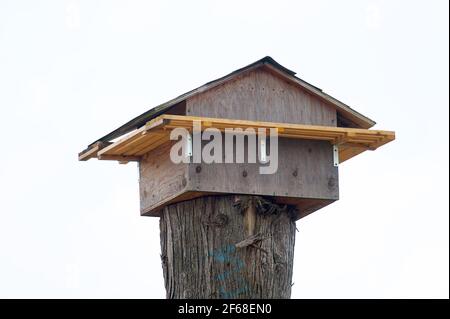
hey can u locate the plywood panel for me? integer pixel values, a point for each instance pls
(159, 178)
(305, 171)
(306, 177)
(261, 96)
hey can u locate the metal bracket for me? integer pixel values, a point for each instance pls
(188, 148)
(335, 155)
(262, 150)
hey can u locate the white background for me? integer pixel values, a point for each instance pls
(71, 71)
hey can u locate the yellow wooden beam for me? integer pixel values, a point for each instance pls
(156, 132)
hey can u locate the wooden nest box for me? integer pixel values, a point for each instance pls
(315, 133)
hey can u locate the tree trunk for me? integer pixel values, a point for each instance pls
(227, 247)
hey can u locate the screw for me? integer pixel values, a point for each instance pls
(331, 182)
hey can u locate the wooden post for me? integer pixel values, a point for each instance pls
(207, 250)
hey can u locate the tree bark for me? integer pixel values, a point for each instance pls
(227, 247)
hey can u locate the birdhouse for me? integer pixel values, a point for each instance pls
(264, 132)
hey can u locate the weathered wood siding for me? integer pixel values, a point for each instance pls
(305, 169)
(306, 177)
(159, 178)
(261, 96)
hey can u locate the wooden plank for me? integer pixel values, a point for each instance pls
(91, 152)
(123, 141)
(157, 133)
(222, 122)
(335, 134)
(346, 153)
(160, 141)
(134, 137)
(144, 144)
(119, 158)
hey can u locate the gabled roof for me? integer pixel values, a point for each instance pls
(345, 112)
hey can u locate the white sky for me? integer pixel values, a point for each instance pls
(71, 71)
